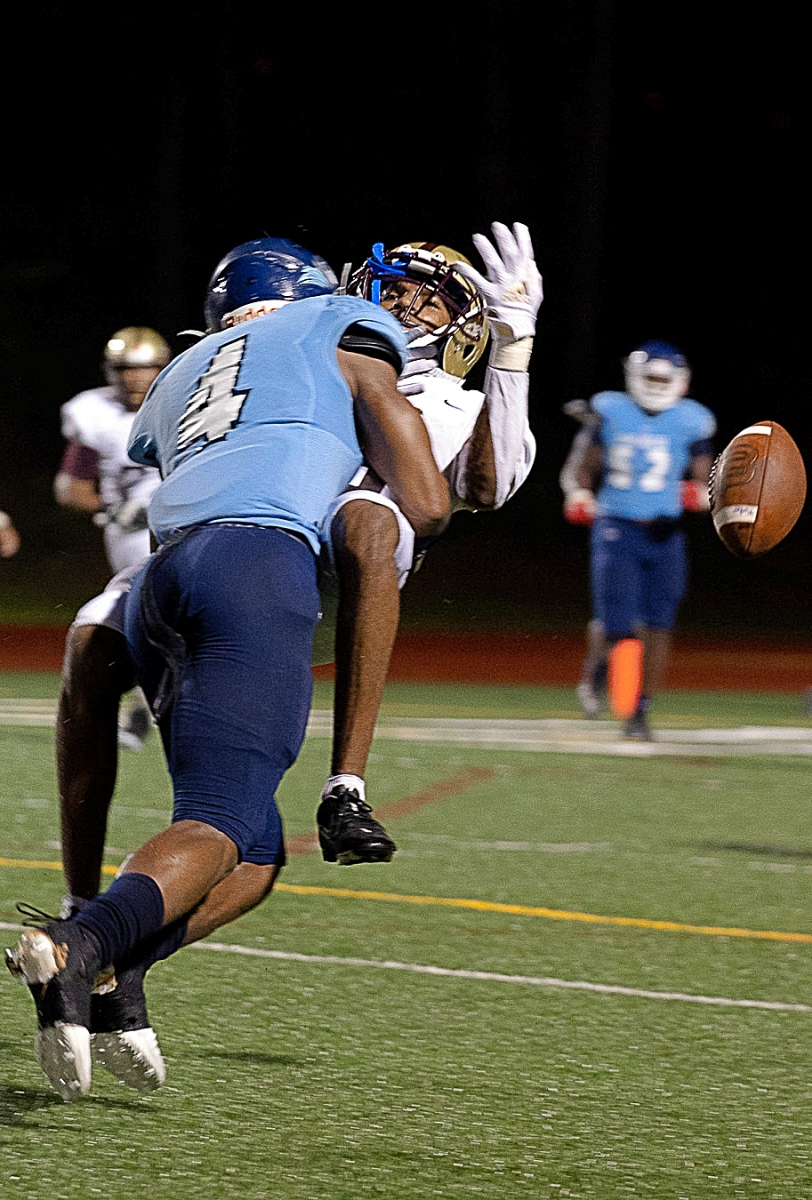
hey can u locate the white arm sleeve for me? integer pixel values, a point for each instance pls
(514, 447)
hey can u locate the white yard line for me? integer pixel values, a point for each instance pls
(555, 735)
(580, 985)
(542, 981)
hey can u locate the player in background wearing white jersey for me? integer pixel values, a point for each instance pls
(97, 476)
(484, 445)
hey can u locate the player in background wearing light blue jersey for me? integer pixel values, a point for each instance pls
(641, 459)
(225, 611)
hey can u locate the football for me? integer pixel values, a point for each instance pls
(757, 489)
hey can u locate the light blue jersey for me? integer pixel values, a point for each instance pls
(255, 423)
(646, 456)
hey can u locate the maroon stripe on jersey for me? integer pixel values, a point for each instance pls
(80, 462)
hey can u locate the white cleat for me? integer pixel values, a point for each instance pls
(63, 1052)
(133, 1056)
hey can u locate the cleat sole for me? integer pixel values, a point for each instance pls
(133, 1057)
(327, 853)
(63, 1053)
(349, 858)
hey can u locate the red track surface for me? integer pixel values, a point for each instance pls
(745, 665)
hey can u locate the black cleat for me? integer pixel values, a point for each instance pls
(59, 964)
(637, 728)
(348, 833)
(123, 1041)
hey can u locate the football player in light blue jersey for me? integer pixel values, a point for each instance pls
(220, 621)
(255, 423)
(642, 458)
(482, 442)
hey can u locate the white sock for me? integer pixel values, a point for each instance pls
(350, 781)
(71, 904)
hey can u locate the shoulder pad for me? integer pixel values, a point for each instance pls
(359, 339)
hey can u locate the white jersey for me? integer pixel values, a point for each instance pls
(97, 420)
(449, 411)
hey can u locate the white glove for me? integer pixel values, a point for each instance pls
(422, 359)
(513, 288)
(412, 379)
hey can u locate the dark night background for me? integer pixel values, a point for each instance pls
(658, 154)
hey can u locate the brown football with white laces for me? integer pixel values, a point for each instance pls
(757, 489)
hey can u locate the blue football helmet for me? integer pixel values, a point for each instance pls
(259, 276)
(657, 376)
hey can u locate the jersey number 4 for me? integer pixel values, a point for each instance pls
(215, 406)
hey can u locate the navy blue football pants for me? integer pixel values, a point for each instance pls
(638, 574)
(220, 627)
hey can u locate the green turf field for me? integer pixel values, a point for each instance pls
(584, 974)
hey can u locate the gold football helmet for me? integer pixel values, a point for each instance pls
(461, 343)
(135, 346)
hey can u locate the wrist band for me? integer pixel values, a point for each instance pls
(511, 356)
(5, 520)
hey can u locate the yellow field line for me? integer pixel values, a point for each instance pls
(26, 864)
(514, 910)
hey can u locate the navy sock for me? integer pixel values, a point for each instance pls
(130, 910)
(161, 945)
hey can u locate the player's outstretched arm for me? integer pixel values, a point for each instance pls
(501, 451)
(396, 444)
(513, 291)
